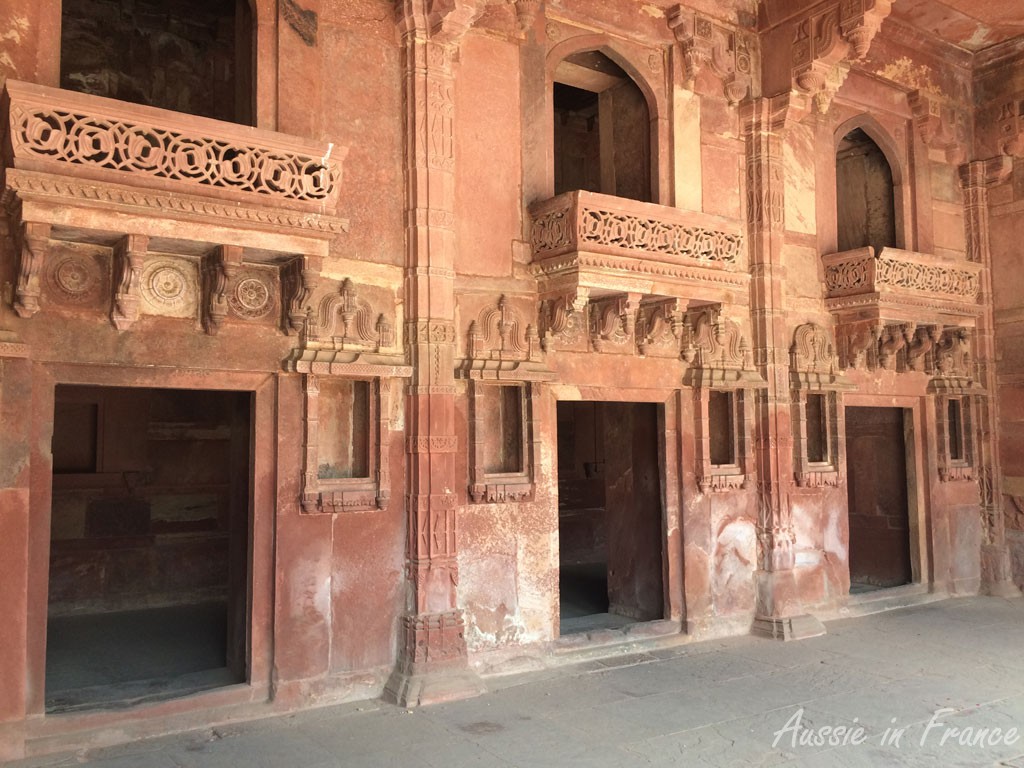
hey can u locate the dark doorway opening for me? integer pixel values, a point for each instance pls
(190, 56)
(609, 515)
(879, 514)
(865, 199)
(149, 545)
(602, 132)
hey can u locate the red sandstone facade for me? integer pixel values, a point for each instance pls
(418, 286)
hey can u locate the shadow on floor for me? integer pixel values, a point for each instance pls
(123, 658)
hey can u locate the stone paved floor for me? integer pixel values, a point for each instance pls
(719, 703)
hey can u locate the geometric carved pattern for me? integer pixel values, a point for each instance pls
(621, 230)
(140, 148)
(890, 269)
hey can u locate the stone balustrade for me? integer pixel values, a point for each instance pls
(51, 130)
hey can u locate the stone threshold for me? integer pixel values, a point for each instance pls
(881, 600)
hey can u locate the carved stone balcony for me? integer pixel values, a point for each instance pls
(901, 310)
(590, 245)
(131, 182)
(901, 286)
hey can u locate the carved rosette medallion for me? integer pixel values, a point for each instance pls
(252, 298)
(169, 288)
(75, 279)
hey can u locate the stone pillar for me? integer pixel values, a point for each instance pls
(779, 612)
(16, 417)
(432, 664)
(975, 178)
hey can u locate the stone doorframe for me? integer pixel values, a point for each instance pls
(262, 501)
(670, 461)
(915, 438)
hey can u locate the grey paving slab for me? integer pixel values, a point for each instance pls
(740, 701)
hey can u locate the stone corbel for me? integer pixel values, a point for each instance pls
(33, 244)
(449, 20)
(613, 321)
(939, 123)
(660, 328)
(825, 43)
(526, 13)
(562, 319)
(925, 338)
(894, 339)
(704, 42)
(1010, 127)
(129, 257)
(299, 279)
(219, 268)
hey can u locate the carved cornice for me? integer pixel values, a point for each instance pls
(25, 185)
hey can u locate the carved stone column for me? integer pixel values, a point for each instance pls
(432, 664)
(779, 612)
(976, 177)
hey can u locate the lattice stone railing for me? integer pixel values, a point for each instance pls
(51, 130)
(894, 270)
(587, 221)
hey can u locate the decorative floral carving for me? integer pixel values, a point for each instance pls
(252, 297)
(76, 278)
(613, 322)
(563, 319)
(169, 287)
(660, 327)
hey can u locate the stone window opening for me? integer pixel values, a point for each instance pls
(956, 430)
(602, 129)
(502, 448)
(722, 432)
(817, 429)
(865, 196)
(345, 421)
(954, 419)
(189, 56)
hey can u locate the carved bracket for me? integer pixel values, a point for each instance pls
(728, 52)
(219, 269)
(941, 123)
(33, 241)
(824, 43)
(563, 319)
(129, 257)
(299, 279)
(660, 328)
(613, 322)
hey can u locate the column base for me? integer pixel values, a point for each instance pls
(996, 572)
(414, 688)
(780, 613)
(787, 628)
